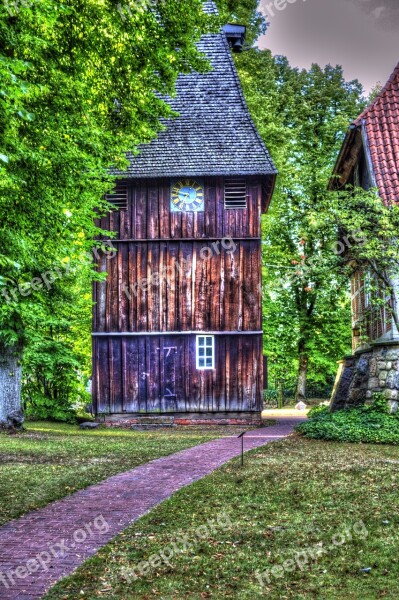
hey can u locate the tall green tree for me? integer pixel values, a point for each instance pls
(302, 116)
(80, 84)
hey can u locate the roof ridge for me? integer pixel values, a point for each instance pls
(387, 87)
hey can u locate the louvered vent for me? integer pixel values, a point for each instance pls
(235, 193)
(119, 197)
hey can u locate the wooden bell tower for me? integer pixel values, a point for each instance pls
(177, 326)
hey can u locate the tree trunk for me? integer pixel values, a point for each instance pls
(11, 415)
(280, 394)
(302, 374)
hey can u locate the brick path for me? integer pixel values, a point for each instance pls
(58, 538)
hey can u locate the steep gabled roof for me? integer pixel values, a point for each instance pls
(214, 133)
(379, 127)
(381, 123)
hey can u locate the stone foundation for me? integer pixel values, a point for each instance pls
(362, 375)
(180, 419)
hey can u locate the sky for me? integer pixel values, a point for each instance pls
(360, 35)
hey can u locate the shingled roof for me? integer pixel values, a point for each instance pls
(381, 123)
(379, 126)
(214, 133)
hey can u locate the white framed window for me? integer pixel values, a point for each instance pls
(205, 352)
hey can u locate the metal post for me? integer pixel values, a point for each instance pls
(242, 446)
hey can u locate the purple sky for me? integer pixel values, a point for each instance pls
(361, 35)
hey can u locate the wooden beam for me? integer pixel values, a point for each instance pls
(163, 333)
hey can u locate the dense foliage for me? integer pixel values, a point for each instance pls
(368, 424)
(57, 358)
(302, 116)
(376, 252)
(80, 84)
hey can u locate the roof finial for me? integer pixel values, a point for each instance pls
(235, 36)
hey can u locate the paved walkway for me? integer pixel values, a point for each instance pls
(44, 546)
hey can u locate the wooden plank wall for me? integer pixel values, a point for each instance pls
(190, 282)
(158, 374)
(180, 286)
(149, 216)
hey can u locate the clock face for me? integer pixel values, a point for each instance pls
(187, 196)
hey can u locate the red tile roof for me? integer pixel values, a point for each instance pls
(381, 123)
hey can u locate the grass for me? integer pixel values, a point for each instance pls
(51, 460)
(290, 496)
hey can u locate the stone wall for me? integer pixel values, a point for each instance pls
(243, 419)
(364, 374)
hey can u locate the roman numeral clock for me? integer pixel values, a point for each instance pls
(187, 195)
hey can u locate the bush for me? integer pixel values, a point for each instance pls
(318, 410)
(53, 387)
(270, 398)
(369, 424)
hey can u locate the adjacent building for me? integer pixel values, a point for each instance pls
(370, 158)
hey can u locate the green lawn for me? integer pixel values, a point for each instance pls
(328, 509)
(50, 460)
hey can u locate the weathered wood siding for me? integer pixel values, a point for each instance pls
(176, 273)
(158, 374)
(149, 216)
(180, 286)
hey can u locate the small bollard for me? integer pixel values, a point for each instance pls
(242, 446)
